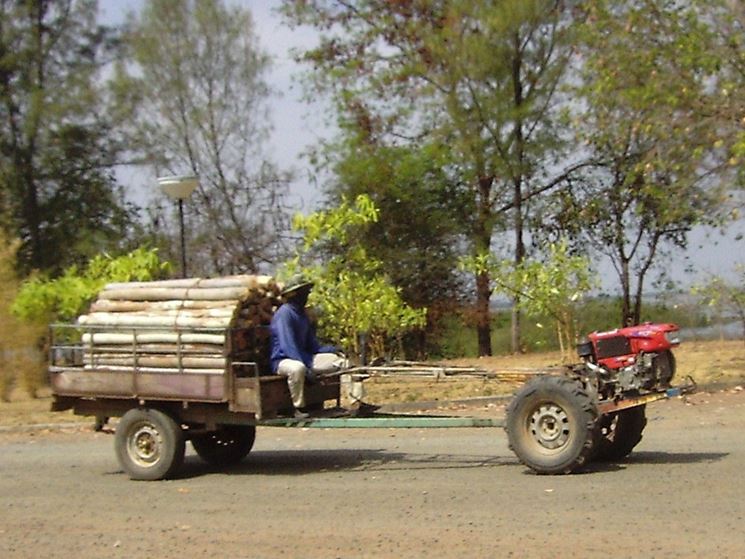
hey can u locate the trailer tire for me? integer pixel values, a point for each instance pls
(149, 444)
(619, 433)
(551, 425)
(227, 446)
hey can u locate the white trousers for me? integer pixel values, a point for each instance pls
(323, 364)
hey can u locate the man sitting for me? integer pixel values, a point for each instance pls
(295, 351)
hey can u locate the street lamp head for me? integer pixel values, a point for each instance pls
(178, 187)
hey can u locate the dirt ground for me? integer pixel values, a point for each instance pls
(439, 493)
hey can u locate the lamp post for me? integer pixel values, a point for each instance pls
(180, 188)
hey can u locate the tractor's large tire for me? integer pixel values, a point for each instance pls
(149, 444)
(619, 433)
(551, 425)
(227, 446)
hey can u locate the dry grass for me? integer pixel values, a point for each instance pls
(707, 362)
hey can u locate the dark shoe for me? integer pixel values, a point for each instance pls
(301, 414)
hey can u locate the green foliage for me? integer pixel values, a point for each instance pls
(725, 297)
(543, 288)
(416, 237)
(63, 298)
(649, 118)
(470, 79)
(351, 294)
(352, 303)
(338, 224)
(649, 87)
(58, 192)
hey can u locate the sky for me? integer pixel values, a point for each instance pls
(296, 124)
(299, 125)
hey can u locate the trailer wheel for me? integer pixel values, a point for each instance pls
(226, 446)
(619, 433)
(149, 444)
(551, 425)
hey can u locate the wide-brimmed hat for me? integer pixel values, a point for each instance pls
(296, 283)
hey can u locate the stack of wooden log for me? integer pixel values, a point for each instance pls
(185, 326)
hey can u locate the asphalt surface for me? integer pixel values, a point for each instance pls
(436, 493)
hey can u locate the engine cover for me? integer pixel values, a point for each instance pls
(616, 349)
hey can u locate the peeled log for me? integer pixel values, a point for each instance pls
(131, 320)
(245, 282)
(107, 305)
(153, 337)
(162, 325)
(171, 293)
(162, 348)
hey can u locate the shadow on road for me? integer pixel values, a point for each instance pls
(675, 457)
(655, 458)
(304, 462)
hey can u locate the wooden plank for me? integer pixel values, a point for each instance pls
(87, 383)
(155, 370)
(162, 361)
(196, 387)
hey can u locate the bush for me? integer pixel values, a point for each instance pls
(26, 310)
(20, 360)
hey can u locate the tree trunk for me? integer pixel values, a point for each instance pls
(517, 195)
(483, 316)
(627, 317)
(482, 241)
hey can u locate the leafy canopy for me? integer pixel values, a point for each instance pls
(549, 287)
(352, 295)
(43, 299)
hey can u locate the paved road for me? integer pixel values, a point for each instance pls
(407, 493)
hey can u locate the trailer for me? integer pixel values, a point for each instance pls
(188, 360)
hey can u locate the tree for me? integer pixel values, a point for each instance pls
(550, 286)
(57, 189)
(478, 78)
(199, 75)
(656, 152)
(353, 296)
(415, 237)
(728, 298)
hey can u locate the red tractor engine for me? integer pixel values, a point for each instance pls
(632, 358)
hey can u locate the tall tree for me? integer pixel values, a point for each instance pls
(200, 77)
(416, 237)
(57, 189)
(479, 78)
(647, 117)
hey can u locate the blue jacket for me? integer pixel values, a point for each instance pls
(293, 337)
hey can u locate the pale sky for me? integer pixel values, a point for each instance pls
(298, 125)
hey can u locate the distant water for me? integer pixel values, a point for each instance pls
(731, 331)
